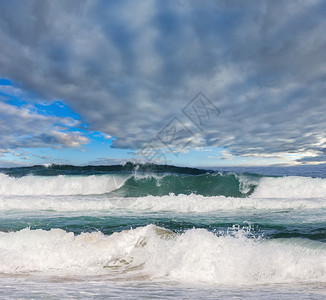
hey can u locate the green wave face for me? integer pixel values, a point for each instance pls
(228, 185)
(156, 180)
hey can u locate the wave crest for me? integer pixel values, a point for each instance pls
(196, 255)
(59, 185)
(142, 185)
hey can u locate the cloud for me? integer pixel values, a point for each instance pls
(129, 67)
(225, 155)
(11, 164)
(20, 127)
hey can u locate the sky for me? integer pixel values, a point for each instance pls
(184, 82)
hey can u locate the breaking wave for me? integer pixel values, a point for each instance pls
(142, 185)
(59, 185)
(196, 255)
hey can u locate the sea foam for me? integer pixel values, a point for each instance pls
(196, 255)
(171, 203)
(134, 185)
(59, 185)
(290, 187)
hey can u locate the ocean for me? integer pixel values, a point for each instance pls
(159, 232)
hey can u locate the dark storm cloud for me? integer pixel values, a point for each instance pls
(129, 67)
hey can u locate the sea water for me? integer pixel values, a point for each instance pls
(149, 231)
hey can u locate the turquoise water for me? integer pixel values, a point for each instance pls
(138, 231)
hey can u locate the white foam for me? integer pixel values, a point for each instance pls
(290, 187)
(151, 252)
(171, 203)
(199, 203)
(268, 187)
(201, 256)
(59, 185)
(246, 183)
(39, 250)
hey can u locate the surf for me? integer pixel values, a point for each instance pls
(194, 256)
(170, 203)
(128, 185)
(59, 185)
(135, 181)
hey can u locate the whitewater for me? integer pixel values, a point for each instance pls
(137, 231)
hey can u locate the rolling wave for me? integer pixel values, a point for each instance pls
(142, 185)
(229, 185)
(290, 187)
(196, 255)
(124, 185)
(59, 185)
